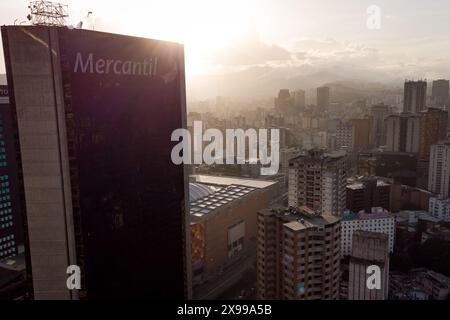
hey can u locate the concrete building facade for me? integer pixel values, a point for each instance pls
(433, 128)
(415, 96)
(439, 171)
(368, 249)
(317, 180)
(323, 98)
(368, 192)
(403, 133)
(298, 255)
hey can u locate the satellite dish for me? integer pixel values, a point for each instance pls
(79, 25)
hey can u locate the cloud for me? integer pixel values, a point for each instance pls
(250, 51)
(255, 69)
(309, 56)
(319, 53)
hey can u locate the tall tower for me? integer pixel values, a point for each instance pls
(379, 113)
(299, 99)
(439, 171)
(94, 114)
(440, 93)
(433, 128)
(415, 96)
(403, 132)
(300, 256)
(318, 180)
(323, 98)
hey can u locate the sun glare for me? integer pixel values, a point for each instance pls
(202, 26)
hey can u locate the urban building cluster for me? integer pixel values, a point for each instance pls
(364, 181)
(371, 174)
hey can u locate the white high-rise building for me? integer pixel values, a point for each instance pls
(317, 180)
(439, 208)
(439, 170)
(377, 221)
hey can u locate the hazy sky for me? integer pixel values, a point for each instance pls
(227, 35)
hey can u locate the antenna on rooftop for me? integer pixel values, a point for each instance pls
(47, 13)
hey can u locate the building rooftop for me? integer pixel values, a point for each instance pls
(300, 219)
(209, 193)
(371, 235)
(315, 154)
(412, 286)
(360, 182)
(412, 216)
(227, 181)
(220, 197)
(198, 191)
(443, 142)
(377, 213)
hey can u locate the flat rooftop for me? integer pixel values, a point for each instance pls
(300, 219)
(314, 155)
(209, 193)
(219, 198)
(361, 185)
(375, 214)
(227, 181)
(412, 216)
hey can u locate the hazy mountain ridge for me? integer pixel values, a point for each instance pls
(263, 82)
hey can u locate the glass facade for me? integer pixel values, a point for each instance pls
(10, 225)
(128, 196)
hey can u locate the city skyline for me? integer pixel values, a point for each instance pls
(287, 151)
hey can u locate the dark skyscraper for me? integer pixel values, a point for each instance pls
(415, 96)
(379, 112)
(440, 93)
(323, 97)
(8, 216)
(95, 113)
(284, 102)
(299, 99)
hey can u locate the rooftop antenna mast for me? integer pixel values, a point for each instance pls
(47, 13)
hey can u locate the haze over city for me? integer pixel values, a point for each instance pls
(232, 45)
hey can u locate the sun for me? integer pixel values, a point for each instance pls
(203, 26)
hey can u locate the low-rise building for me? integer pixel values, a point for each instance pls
(224, 229)
(419, 284)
